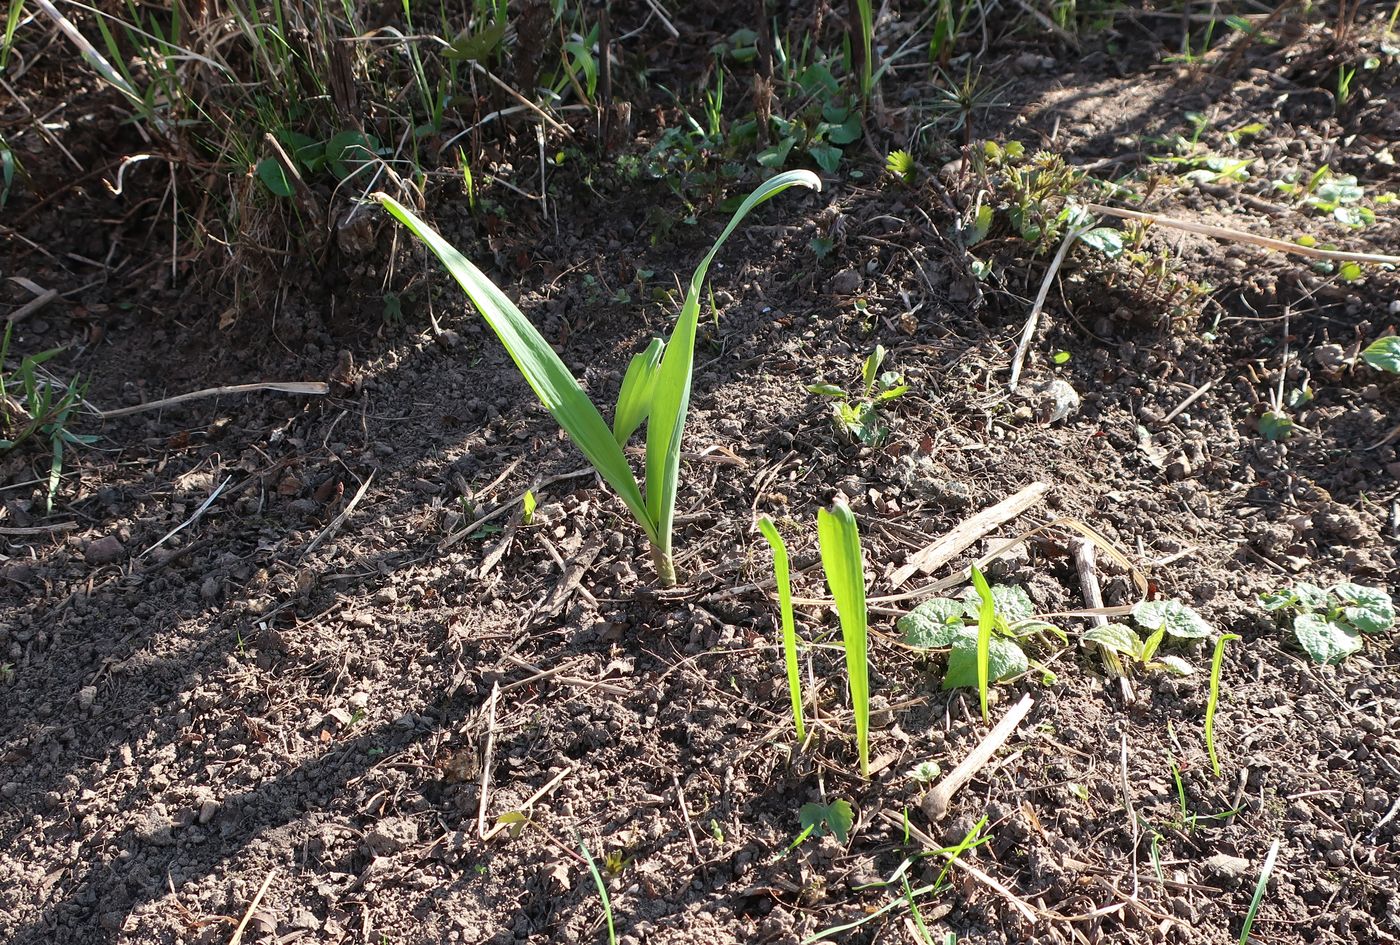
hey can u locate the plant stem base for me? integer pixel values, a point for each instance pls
(665, 567)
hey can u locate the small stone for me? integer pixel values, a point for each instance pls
(104, 550)
(86, 697)
(386, 595)
(209, 590)
(1230, 869)
(1178, 469)
(1330, 358)
(207, 810)
(845, 282)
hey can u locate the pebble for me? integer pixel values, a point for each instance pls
(845, 282)
(104, 550)
(86, 697)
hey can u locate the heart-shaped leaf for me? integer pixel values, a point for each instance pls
(1368, 609)
(1116, 637)
(1004, 660)
(1175, 617)
(1326, 641)
(933, 624)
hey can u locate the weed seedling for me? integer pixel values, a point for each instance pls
(1331, 623)
(1160, 619)
(1214, 699)
(602, 891)
(856, 417)
(1383, 354)
(818, 820)
(656, 388)
(1259, 889)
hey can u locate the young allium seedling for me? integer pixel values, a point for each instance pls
(783, 578)
(1214, 699)
(1330, 623)
(845, 575)
(856, 417)
(655, 390)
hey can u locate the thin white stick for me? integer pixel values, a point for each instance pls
(285, 387)
(1034, 317)
(192, 519)
(252, 907)
(964, 534)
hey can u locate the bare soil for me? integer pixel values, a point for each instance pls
(282, 712)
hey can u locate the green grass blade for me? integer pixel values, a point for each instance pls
(1260, 888)
(986, 618)
(542, 369)
(638, 389)
(845, 575)
(666, 423)
(1214, 698)
(602, 889)
(783, 577)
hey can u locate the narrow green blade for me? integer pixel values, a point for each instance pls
(546, 374)
(666, 423)
(638, 388)
(783, 577)
(845, 575)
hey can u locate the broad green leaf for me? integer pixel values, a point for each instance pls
(845, 576)
(776, 155)
(349, 151)
(981, 225)
(638, 387)
(1326, 641)
(1105, 239)
(1175, 617)
(828, 157)
(1004, 660)
(933, 624)
(1368, 609)
(476, 46)
(826, 390)
(542, 369)
(782, 577)
(1383, 354)
(1013, 604)
(838, 818)
(666, 422)
(274, 178)
(1116, 637)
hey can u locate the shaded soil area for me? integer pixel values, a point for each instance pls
(282, 705)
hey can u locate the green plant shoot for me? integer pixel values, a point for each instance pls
(782, 575)
(845, 576)
(986, 619)
(1214, 698)
(602, 889)
(657, 389)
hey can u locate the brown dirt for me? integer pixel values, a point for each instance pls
(301, 689)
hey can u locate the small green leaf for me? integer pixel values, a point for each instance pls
(1176, 618)
(476, 46)
(776, 155)
(1326, 641)
(1174, 665)
(1004, 660)
(828, 157)
(1368, 609)
(826, 390)
(349, 151)
(1349, 272)
(638, 387)
(835, 818)
(1116, 637)
(901, 165)
(1383, 354)
(1105, 239)
(1275, 426)
(527, 507)
(1060, 357)
(981, 225)
(933, 624)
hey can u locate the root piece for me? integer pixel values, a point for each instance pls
(956, 541)
(936, 802)
(1088, 570)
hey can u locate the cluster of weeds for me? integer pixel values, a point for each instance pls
(856, 415)
(34, 408)
(1332, 623)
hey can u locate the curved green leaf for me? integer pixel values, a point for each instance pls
(666, 423)
(542, 369)
(845, 575)
(638, 388)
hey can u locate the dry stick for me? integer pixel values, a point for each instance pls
(1194, 396)
(1088, 570)
(285, 387)
(935, 803)
(530, 801)
(954, 542)
(40, 529)
(487, 758)
(1034, 317)
(566, 132)
(32, 306)
(901, 823)
(689, 826)
(334, 526)
(252, 907)
(203, 507)
(1240, 236)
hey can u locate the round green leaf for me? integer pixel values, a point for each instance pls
(1105, 239)
(1004, 660)
(933, 624)
(1013, 604)
(1383, 354)
(1326, 641)
(1179, 620)
(274, 178)
(1368, 609)
(1116, 637)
